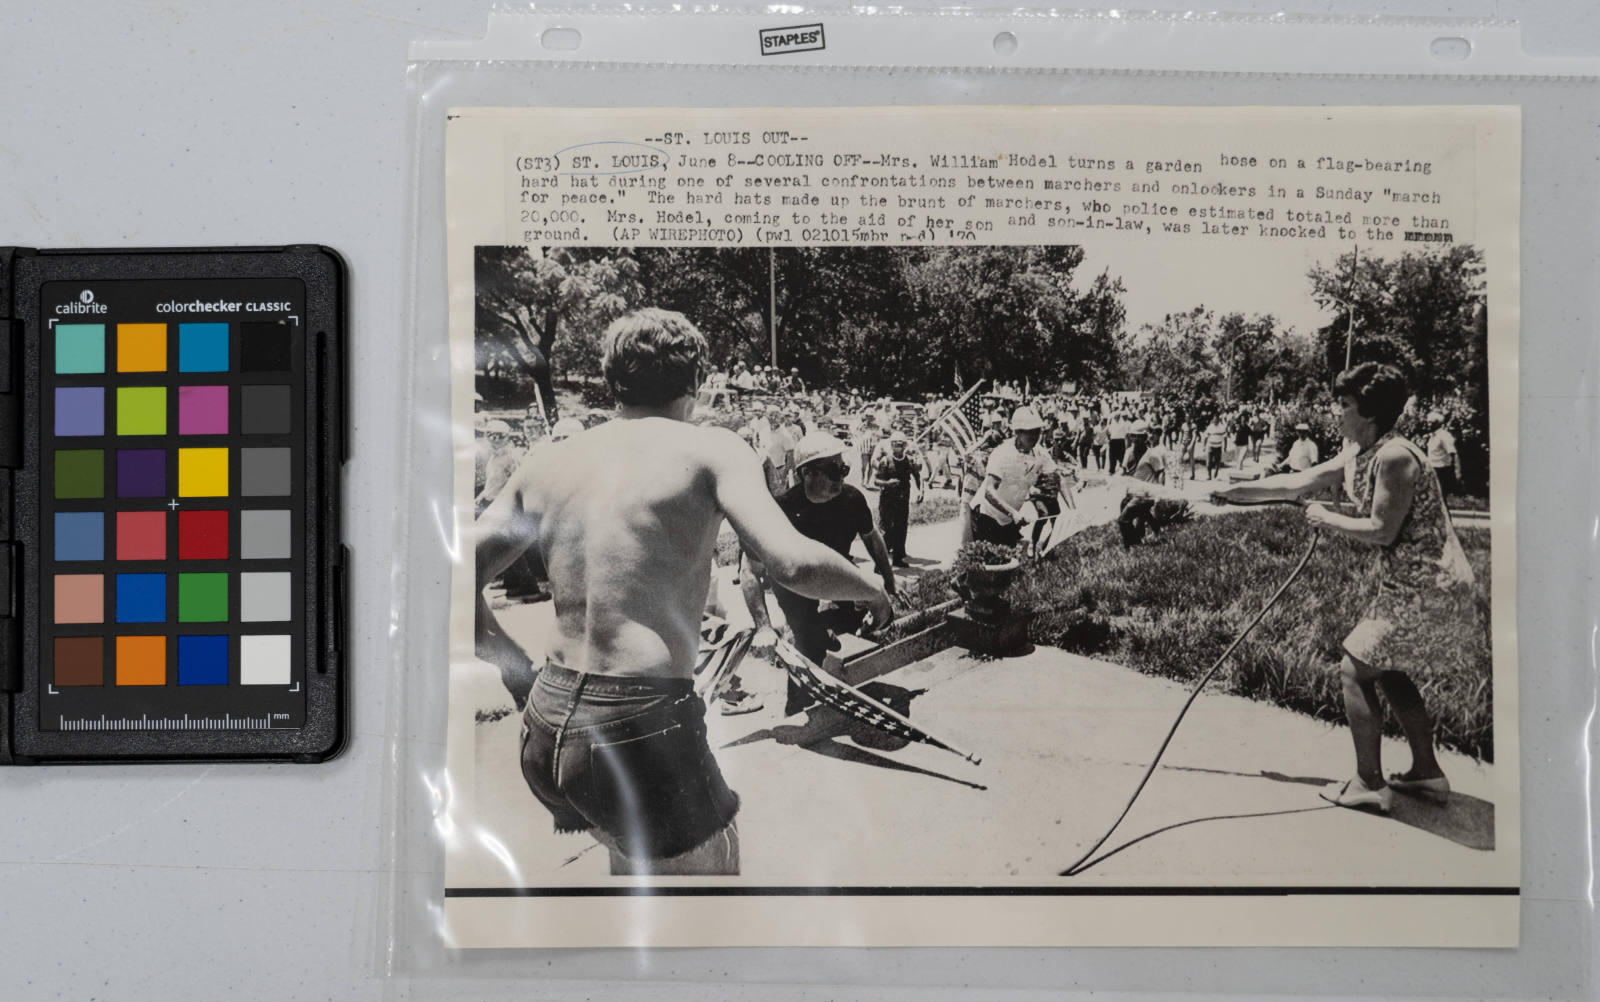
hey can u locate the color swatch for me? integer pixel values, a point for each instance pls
(175, 513)
(170, 447)
(164, 502)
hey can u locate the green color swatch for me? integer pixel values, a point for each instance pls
(202, 598)
(141, 410)
(80, 473)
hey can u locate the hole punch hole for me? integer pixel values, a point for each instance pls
(1451, 49)
(561, 39)
(1005, 44)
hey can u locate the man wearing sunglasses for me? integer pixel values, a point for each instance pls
(625, 516)
(826, 509)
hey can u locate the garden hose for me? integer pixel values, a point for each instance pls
(1079, 866)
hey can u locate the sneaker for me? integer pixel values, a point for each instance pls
(1355, 794)
(736, 703)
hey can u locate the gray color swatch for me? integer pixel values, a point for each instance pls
(263, 598)
(264, 410)
(264, 535)
(264, 472)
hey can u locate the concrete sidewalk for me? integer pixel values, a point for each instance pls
(1064, 740)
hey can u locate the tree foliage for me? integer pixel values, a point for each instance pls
(887, 321)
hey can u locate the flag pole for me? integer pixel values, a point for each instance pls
(1350, 329)
(790, 654)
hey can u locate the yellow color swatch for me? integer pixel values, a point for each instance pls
(141, 660)
(203, 473)
(141, 347)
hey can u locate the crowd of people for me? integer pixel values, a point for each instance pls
(622, 522)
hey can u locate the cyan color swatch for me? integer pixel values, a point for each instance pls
(202, 347)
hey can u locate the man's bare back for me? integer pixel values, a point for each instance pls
(627, 526)
(626, 516)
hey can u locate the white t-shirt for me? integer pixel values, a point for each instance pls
(1151, 465)
(1441, 449)
(1302, 454)
(1017, 472)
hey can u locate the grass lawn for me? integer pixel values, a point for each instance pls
(1170, 607)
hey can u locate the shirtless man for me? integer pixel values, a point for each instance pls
(625, 516)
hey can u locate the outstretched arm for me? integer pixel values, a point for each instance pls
(1286, 486)
(802, 565)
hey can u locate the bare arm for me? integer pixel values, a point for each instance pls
(1394, 481)
(505, 531)
(880, 558)
(990, 482)
(802, 565)
(1286, 486)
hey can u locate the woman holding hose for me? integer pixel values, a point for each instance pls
(1419, 612)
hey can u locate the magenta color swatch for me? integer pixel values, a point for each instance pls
(202, 410)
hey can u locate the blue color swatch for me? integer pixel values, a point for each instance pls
(203, 660)
(141, 598)
(80, 535)
(202, 347)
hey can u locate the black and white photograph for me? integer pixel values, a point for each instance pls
(1021, 566)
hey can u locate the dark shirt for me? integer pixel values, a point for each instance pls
(902, 469)
(835, 524)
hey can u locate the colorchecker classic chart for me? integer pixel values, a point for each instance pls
(175, 431)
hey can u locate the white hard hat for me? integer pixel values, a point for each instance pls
(816, 445)
(898, 436)
(1026, 419)
(565, 428)
(497, 427)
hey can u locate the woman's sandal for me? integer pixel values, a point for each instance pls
(1436, 789)
(1354, 794)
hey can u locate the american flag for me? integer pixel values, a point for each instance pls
(962, 423)
(721, 649)
(852, 702)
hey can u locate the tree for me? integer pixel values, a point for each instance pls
(1174, 358)
(1416, 312)
(525, 299)
(1423, 312)
(1248, 350)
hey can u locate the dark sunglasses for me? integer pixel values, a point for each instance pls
(836, 470)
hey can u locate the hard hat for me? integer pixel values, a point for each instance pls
(898, 436)
(1026, 419)
(497, 427)
(565, 428)
(814, 446)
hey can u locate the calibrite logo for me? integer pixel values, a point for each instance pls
(796, 38)
(85, 304)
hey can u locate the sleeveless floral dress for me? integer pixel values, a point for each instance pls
(1420, 614)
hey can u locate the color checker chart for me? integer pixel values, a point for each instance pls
(178, 505)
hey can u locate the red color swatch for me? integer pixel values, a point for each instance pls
(141, 535)
(202, 535)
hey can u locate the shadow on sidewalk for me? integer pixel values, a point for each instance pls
(827, 732)
(1463, 819)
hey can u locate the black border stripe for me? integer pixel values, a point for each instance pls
(668, 891)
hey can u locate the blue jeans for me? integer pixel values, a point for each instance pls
(627, 756)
